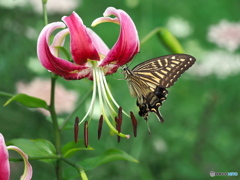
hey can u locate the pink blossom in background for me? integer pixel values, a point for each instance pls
(64, 99)
(225, 35)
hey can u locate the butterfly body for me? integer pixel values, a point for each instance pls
(148, 80)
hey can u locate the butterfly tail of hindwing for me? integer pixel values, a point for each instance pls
(152, 102)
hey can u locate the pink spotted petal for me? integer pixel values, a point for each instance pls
(127, 45)
(4, 163)
(82, 47)
(57, 65)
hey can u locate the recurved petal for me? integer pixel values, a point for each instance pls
(4, 163)
(82, 47)
(127, 45)
(27, 174)
(57, 65)
(58, 40)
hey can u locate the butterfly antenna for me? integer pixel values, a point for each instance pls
(118, 78)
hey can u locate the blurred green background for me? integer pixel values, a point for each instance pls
(202, 117)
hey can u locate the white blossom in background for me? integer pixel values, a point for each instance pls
(220, 63)
(53, 6)
(160, 145)
(65, 100)
(179, 27)
(225, 34)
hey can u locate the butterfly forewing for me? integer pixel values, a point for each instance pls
(163, 71)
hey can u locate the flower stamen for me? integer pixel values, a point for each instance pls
(86, 134)
(134, 123)
(100, 127)
(76, 129)
(98, 77)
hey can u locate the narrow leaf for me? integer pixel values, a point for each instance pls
(28, 101)
(71, 148)
(108, 156)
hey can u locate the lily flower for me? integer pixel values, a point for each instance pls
(91, 57)
(4, 162)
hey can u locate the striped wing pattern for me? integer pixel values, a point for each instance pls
(148, 81)
(163, 71)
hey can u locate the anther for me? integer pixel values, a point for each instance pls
(100, 127)
(118, 127)
(76, 129)
(134, 123)
(86, 134)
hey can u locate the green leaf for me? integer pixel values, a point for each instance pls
(39, 148)
(107, 156)
(28, 101)
(71, 148)
(170, 41)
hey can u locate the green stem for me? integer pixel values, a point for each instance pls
(79, 169)
(149, 35)
(44, 5)
(34, 158)
(76, 166)
(166, 38)
(5, 94)
(56, 130)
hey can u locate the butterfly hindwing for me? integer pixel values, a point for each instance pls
(148, 80)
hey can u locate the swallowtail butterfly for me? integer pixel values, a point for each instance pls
(148, 80)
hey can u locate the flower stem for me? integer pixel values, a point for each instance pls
(56, 130)
(166, 38)
(149, 35)
(44, 5)
(5, 94)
